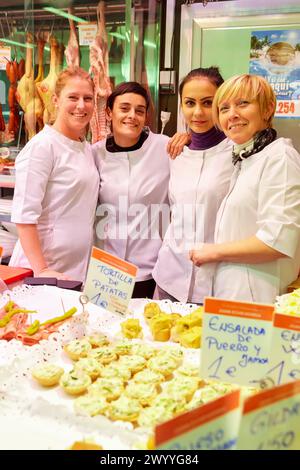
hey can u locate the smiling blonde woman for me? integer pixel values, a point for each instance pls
(257, 236)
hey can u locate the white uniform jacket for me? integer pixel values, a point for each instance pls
(57, 186)
(133, 191)
(263, 200)
(198, 183)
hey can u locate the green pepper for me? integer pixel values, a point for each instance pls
(68, 314)
(9, 306)
(11, 312)
(34, 328)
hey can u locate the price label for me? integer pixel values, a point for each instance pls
(110, 281)
(288, 108)
(5, 56)
(87, 33)
(236, 341)
(285, 350)
(213, 426)
(271, 419)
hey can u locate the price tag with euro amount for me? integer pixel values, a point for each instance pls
(271, 419)
(285, 351)
(213, 426)
(236, 341)
(110, 281)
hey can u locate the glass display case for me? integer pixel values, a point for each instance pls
(132, 30)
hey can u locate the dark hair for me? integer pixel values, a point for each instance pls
(128, 87)
(211, 73)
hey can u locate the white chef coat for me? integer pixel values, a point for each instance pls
(133, 188)
(57, 186)
(198, 183)
(263, 200)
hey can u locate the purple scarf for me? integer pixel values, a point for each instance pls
(206, 140)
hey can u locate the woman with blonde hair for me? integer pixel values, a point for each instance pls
(257, 236)
(57, 187)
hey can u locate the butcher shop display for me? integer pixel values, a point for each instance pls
(99, 71)
(72, 49)
(32, 84)
(60, 57)
(40, 47)
(27, 95)
(46, 87)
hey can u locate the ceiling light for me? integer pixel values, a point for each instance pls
(63, 13)
(15, 43)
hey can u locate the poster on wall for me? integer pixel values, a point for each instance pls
(275, 55)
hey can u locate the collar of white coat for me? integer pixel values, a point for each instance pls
(224, 146)
(146, 145)
(72, 143)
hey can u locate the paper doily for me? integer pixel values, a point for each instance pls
(25, 404)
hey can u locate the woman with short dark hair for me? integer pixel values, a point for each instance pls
(134, 174)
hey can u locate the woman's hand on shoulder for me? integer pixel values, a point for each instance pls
(52, 273)
(177, 142)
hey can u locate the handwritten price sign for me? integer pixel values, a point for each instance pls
(285, 350)
(271, 419)
(236, 341)
(110, 281)
(213, 426)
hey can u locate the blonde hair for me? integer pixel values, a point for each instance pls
(249, 87)
(69, 73)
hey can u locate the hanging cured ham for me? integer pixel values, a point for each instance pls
(46, 87)
(72, 50)
(27, 95)
(99, 71)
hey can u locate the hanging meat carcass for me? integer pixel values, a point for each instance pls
(21, 68)
(72, 49)
(40, 47)
(99, 71)
(27, 95)
(46, 87)
(2, 122)
(60, 57)
(13, 120)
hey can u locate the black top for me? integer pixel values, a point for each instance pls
(112, 147)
